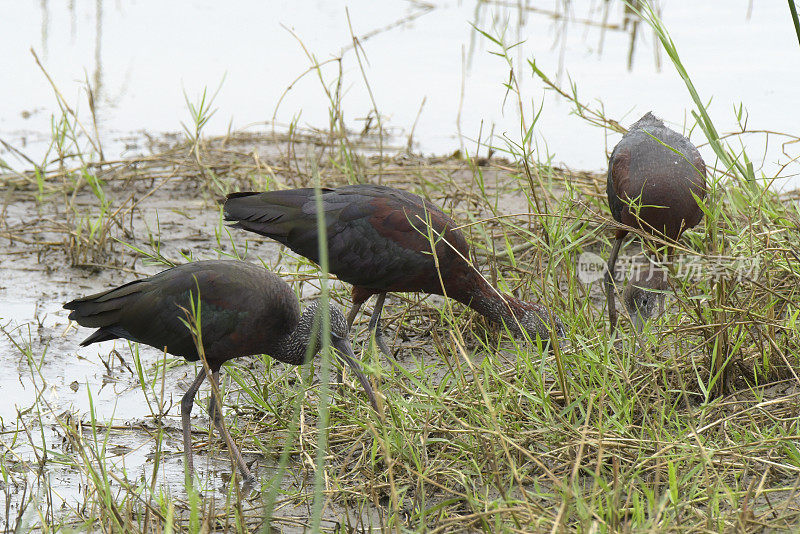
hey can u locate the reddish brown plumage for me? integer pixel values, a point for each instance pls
(380, 240)
(658, 169)
(654, 174)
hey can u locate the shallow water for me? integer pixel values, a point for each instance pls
(51, 383)
(53, 387)
(140, 59)
(52, 378)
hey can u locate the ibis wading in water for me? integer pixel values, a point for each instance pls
(244, 310)
(654, 175)
(380, 240)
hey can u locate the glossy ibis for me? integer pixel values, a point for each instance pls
(380, 240)
(244, 310)
(654, 175)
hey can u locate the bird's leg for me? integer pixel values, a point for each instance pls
(351, 317)
(214, 407)
(610, 284)
(213, 412)
(186, 409)
(374, 326)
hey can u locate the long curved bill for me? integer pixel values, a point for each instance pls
(345, 352)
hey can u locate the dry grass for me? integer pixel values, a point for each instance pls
(476, 432)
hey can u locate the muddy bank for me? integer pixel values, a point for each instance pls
(74, 236)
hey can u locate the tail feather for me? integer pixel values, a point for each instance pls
(92, 319)
(103, 310)
(274, 214)
(104, 296)
(99, 335)
(242, 194)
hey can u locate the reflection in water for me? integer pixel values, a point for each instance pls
(73, 20)
(98, 40)
(45, 24)
(633, 20)
(592, 40)
(563, 16)
(97, 77)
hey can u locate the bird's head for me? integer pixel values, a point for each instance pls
(313, 314)
(538, 321)
(339, 339)
(643, 297)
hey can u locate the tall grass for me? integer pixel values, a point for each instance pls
(795, 20)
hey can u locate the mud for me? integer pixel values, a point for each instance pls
(55, 388)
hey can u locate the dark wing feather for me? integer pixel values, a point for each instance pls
(377, 236)
(662, 168)
(285, 216)
(616, 181)
(240, 305)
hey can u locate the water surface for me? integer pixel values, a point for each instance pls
(140, 58)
